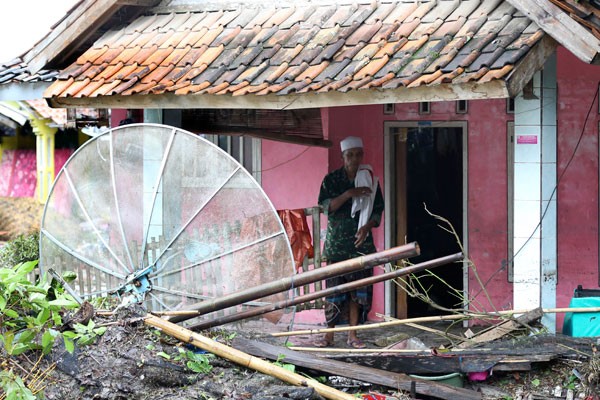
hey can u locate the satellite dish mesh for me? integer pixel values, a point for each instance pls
(153, 199)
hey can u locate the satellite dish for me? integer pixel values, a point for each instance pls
(158, 215)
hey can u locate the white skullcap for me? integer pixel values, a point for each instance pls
(351, 142)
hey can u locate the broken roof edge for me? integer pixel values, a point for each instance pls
(442, 92)
(556, 23)
(222, 5)
(75, 25)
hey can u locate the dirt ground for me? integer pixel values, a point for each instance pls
(132, 361)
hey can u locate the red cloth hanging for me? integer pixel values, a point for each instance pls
(296, 227)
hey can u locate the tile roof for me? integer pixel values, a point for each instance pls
(287, 49)
(57, 115)
(16, 70)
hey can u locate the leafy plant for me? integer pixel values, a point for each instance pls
(22, 249)
(278, 362)
(197, 362)
(29, 315)
(83, 334)
(14, 387)
(26, 311)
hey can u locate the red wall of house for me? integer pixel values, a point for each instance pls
(578, 187)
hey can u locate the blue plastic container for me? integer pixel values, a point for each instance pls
(583, 324)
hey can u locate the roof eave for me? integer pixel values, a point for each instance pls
(23, 90)
(442, 92)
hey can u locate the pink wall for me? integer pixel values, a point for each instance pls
(291, 174)
(578, 188)
(487, 204)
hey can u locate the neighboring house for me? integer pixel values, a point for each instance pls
(486, 111)
(27, 134)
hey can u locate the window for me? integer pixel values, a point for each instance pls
(462, 106)
(510, 105)
(424, 107)
(388, 108)
(246, 150)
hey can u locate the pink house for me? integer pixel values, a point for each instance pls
(483, 113)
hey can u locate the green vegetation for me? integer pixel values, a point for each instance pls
(24, 248)
(30, 314)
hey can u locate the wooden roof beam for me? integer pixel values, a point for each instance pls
(533, 61)
(443, 92)
(556, 23)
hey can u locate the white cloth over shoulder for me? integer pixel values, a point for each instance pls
(364, 204)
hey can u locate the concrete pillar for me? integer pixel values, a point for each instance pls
(44, 156)
(549, 245)
(534, 195)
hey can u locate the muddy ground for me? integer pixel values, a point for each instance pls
(134, 362)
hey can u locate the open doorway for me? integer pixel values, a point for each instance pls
(426, 168)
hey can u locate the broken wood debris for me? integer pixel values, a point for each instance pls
(503, 328)
(508, 355)
(366, 374)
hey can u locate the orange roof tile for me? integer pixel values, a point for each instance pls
(283, 48)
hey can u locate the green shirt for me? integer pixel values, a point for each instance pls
(341, 227)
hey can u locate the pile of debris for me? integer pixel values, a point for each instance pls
(141, 356)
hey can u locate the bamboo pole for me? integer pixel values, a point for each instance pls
(436, 318)
(281, 285)
(244, 359)
(346, 287)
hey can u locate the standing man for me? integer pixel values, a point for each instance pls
(345, 194)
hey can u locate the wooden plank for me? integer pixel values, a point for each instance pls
(400, 216)
(243, 359)
(561, 27)
(503, 328)
(362, 373)
(422, 364)
(78, 20)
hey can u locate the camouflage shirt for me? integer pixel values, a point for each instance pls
(341, 227)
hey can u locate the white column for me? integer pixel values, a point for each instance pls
(534, 182)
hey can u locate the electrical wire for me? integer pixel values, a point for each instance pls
(562, 174)
(286, 161)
